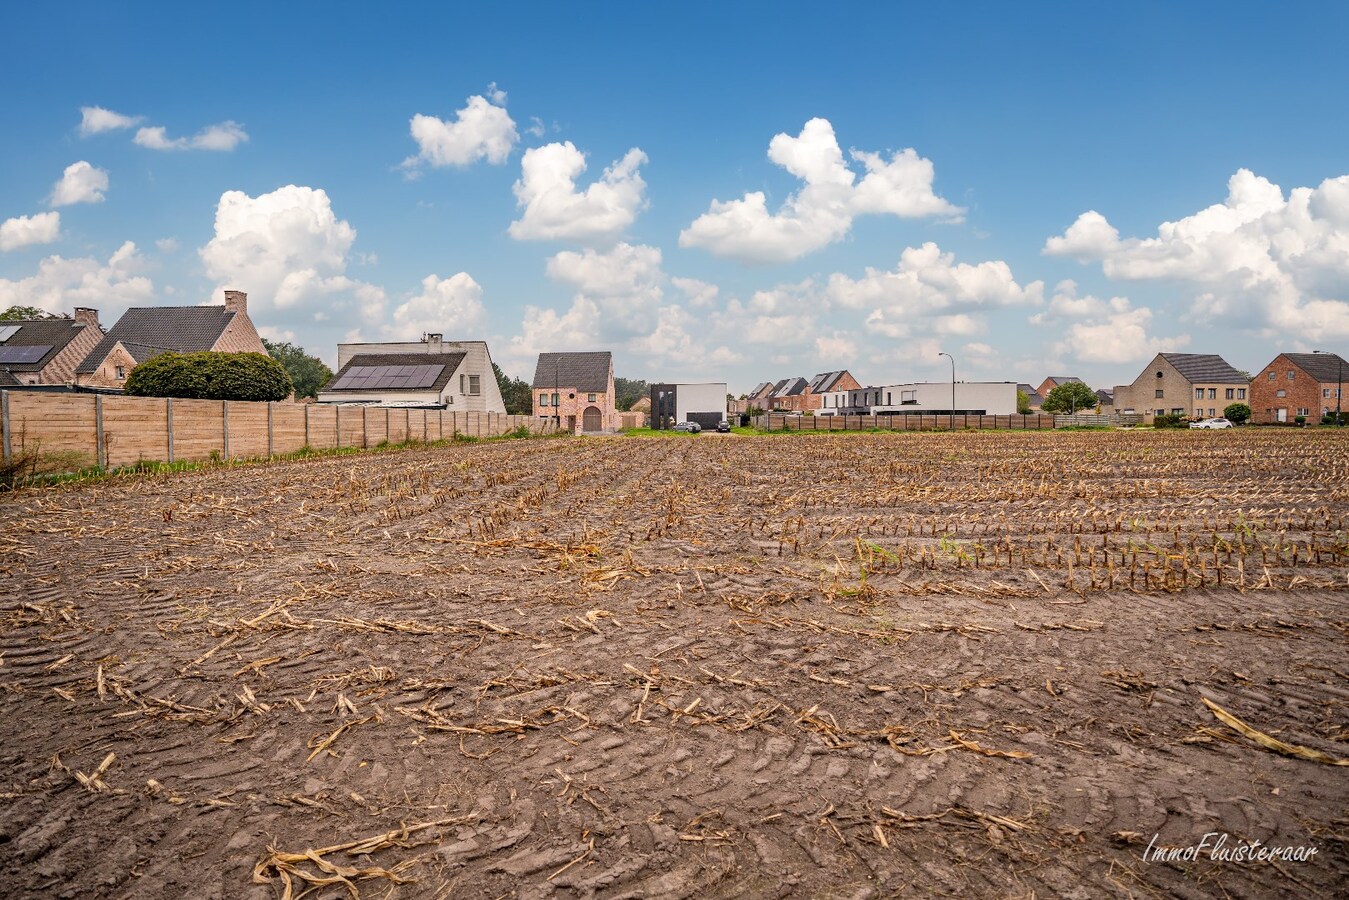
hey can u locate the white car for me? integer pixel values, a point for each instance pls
(1219, 422)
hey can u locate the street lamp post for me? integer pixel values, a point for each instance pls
(557, 391)
(953, 388)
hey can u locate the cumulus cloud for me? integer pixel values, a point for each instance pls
(96, 120)
(1094, 330)
(822, 211)
(450, 306)
(288, 249)
(555, 210)
(223, 137)
(700, 294)
(928, 286)
(1277, 264)
(481, 130)
(626, 282)
(24, 231)
(167, 245)
(81, 183)
(61, 284)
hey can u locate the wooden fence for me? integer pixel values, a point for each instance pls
(111, 431)
(777, 422)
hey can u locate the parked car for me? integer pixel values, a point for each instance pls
(690, 427)
(723, 427)
(1219, 422)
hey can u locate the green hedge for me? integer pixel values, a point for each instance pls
(210, 376)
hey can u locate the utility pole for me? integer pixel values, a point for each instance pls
(953, 388)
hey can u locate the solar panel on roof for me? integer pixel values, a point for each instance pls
(23, 354)
(8, 331)
(367, 378)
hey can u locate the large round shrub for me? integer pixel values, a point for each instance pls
(210, 376)
(1237, 413)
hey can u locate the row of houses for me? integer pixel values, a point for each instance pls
(1199, 385)
(77, 351)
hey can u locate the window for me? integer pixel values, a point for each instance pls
(1177, 411)
(474, 385)
(1213, 393)
(543, 399)
(121, 372)
(1302, 412)
(555, 398)
(1199, 393)
(1290, 374)
(888, 400)
(1281, 393)
(1159, 394)
(1230, 393)
(908, 396)
(1272, 376)
(1241, 393)
(590, 398)
(1212, 412)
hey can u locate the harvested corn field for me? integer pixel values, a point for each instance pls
(829, 666)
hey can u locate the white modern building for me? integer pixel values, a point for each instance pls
(433, 372)
(702, 403)
(983, 398)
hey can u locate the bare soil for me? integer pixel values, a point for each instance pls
(826, 666)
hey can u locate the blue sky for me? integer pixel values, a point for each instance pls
(728, 192)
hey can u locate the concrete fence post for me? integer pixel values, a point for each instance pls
(306, 424)
(365, 428)
(388, 427)
(4, 423)
(100, 451)
(337, 415)
(168, 422)
(271, 436)
(225, 418)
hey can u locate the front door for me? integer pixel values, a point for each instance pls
(591, 419)
(1281, 415)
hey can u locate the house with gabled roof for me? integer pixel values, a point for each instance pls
(46, 351)
(802, 395)
(432, 373)
(1054, 381)
(147, 331)
(1299, 384)
(577, 390)
(1033, 397)
(1198, 385)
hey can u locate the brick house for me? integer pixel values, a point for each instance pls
(577, 389)
(147, 331)
(46, 351)
(1054, 381)
(1199, 385)
(1298, 384)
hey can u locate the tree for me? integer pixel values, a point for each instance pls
(1022, 403)
(628, 391)
(307, 373)
(15, 313)
(1072, 396)
(515, 393)
(210, 376)
(1237, 413)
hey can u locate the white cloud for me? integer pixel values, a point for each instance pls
(929, 287)
(81, 183)
(555, 210)
(96, 120)
(167, 245)
(701, 295)
(823, 210)
(1102, 331)
(289, 250)
(1274, 264)
(481, 130)
(451, 306)
(837, 347)
(24, 231)
(224, 136)
(61, 284)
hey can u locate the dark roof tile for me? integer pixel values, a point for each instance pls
(53, 333)
(1326, 368)
(157, 329)
(586, 371)
(1204, 367)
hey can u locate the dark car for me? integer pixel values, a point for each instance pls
(723, 427)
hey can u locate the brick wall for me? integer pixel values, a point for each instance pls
(1300, 392)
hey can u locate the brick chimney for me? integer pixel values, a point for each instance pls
(236, 301)
(433, 342)
(86, 316)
